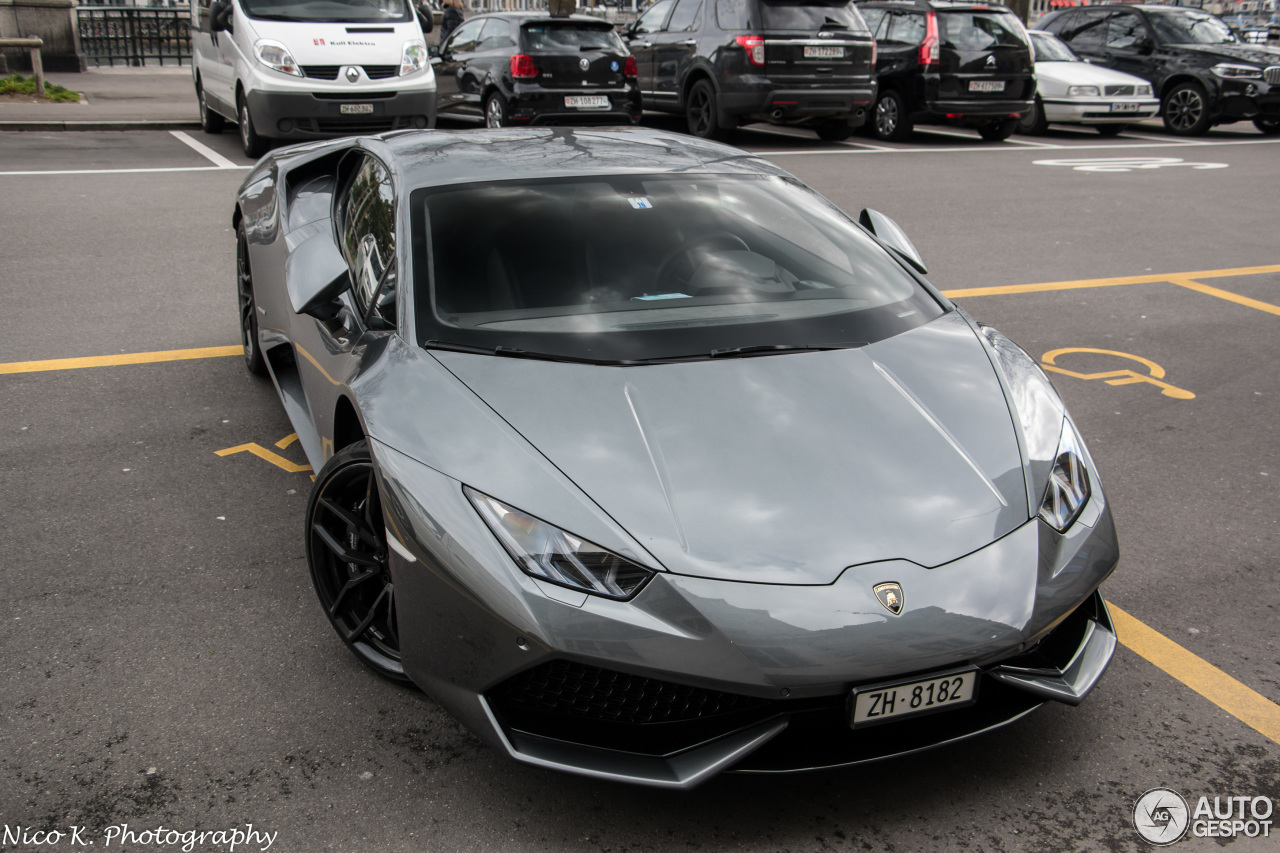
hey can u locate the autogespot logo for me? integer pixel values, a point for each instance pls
(1161, 816)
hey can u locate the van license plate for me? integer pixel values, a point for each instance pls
(586, 102)
(879, 702)
(986, 85)
(824, 53)
(355, 109)
(1125, 108)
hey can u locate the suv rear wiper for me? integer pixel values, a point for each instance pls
(772, 349)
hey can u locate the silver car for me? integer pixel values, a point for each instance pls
(647, 462)
(1070, 90)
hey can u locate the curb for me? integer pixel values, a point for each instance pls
(38, 125)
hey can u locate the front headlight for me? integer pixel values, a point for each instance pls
(1143, 91)
(557, 556)
(1231, 71)
(276, 56)
(1083, 92)
(414, 57)
(1069, 488)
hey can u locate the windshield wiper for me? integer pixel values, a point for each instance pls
(516, 352)
(772, 349)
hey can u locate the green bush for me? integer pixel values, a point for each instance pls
(16, 84)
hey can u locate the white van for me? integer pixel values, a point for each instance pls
(308, 69)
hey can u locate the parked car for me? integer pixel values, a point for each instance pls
(1201, 74)
(310, 69)
(646, 461)
(1072, 91)
(527, 68)
(723, 63)
(956, 63)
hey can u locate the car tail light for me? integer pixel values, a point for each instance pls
(929, 47)
(754, 46)
(523, 66)
(875, 54)
(629, 69)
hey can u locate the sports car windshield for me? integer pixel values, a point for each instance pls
(621, 269)
(337, 11)
(1190, 27)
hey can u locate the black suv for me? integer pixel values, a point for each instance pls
(966, 64)
(729, 62)
(524, 68)
(1201, 74)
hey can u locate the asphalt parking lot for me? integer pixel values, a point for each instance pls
(164, 661)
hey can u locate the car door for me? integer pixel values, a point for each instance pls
(492, 56)
(450, 66)
(674, 49)
(331, 352)
(1130, 46)
(1086, 33)
(898, 38)
(640, 42)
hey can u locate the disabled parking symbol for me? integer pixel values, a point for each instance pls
(1153, 376)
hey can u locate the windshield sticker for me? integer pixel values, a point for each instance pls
(641, 203)
(649, 297)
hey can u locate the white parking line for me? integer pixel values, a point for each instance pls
(996, 148)
(1033, 144)
(204, 150)
(126, 171)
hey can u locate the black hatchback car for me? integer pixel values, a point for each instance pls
(1201, 73)
(966, 64)
(724, 63)
(527, 68)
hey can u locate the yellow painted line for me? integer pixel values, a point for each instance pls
(1175, 278)
(1227, 295)
(123, 358)
(287, 440)
(262, 453)
(1245, 704)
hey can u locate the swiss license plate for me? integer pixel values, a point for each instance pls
(586, 102)
(1125, 108)
(986, 85)
(824, 52)
(877, 703)
(355, 109)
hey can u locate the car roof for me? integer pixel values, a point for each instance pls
(425, 158)
(526, 16)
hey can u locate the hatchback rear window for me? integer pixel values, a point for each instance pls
(571, 36)
(811, 15)
(971, 30)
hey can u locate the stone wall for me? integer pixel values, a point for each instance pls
(52, 20)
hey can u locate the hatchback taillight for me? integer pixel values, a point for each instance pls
(523, 66)
(629, 69)
(754, 46)
(929, 47)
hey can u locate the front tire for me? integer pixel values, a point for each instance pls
(210, 122)
(347, 556)
(495, 111)
(1186, 110)
(889, 119)
(1034, 123)
(248, 308)
(701, 112)
(254, 145)
(998, 131)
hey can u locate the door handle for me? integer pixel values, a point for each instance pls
(690, 42)
(645, 44)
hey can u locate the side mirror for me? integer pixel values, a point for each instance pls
(433, 51)
(1144, 46)
(220, 16)
(891, 234)
(316, 274)
(423, 11)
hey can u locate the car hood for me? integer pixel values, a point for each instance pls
(324, 43)
(1256, 54)
(1082, 74)
(780, 469)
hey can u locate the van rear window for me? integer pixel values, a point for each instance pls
(969, 30)
(811, 15)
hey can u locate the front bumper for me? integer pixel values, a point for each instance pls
(319, 115)
(1098, 110)
(695, 676)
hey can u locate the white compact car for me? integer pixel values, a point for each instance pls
(310, 69)
(1071, 91)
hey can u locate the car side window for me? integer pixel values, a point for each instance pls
(1060, 24)
(733, 14)
(874, 17)
(1125, 31)
(651, 21)
(369, 242)
(906, 28)
(496, 35)
(465, 38)
(1088, 31)
(686, 16)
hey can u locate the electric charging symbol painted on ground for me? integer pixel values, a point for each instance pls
(1154, 375)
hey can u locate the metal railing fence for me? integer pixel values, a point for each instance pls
(135, 35)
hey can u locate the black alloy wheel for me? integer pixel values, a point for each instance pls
(1268, 126)
(833, 130)
(495, 111)
(210, 122)
(1186, 110)
(998, 131)
(1111, 129)
(248, 309)
(1034, 123)
(889, 120)
(347, 555)
(253, 144)
(700, 112)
